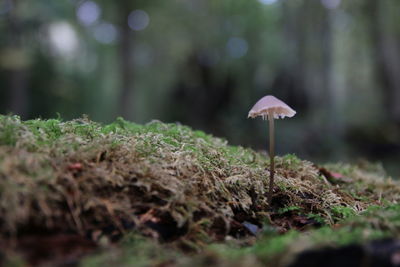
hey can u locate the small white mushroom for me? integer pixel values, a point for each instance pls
(271, 108)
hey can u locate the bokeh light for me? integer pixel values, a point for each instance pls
(105, 33)
(267, 2)
(138, 20)
(88, 13)
(236, 47)
(331, 4)
(63, 38)
(6, 6)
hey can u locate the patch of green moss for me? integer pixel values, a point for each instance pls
(133, 250)
(317, 217)
(81, 175)
(341, 212)
(289, 209)
(273, 245)
(273, 249)
(10, 126)
(291, 161)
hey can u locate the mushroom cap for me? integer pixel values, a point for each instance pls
(270, 103)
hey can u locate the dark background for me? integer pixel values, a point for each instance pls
(204, 63)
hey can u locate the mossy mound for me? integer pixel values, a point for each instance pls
(164, 181)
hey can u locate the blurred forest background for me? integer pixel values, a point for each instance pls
(204, 63)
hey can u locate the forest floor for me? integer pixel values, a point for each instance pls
(78, 193)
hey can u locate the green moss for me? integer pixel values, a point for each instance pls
(289, 209)
(344, 169)
(291, 161)
(341, 212)
(64, 172)
(10, 126)
(45, 129)
(274, 249)
(317, 217)
(273, 246)
(133, 250)
(346, 235)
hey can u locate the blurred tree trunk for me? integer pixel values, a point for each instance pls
(18, 97)
(292, 77)
(310, 42)
(126, 105)
(18, 69)
(386, 49)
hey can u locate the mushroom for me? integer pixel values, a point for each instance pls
(272, 108)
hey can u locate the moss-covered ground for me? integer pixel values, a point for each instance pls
(81, 193)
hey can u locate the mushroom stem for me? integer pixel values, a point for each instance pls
(271, 156)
